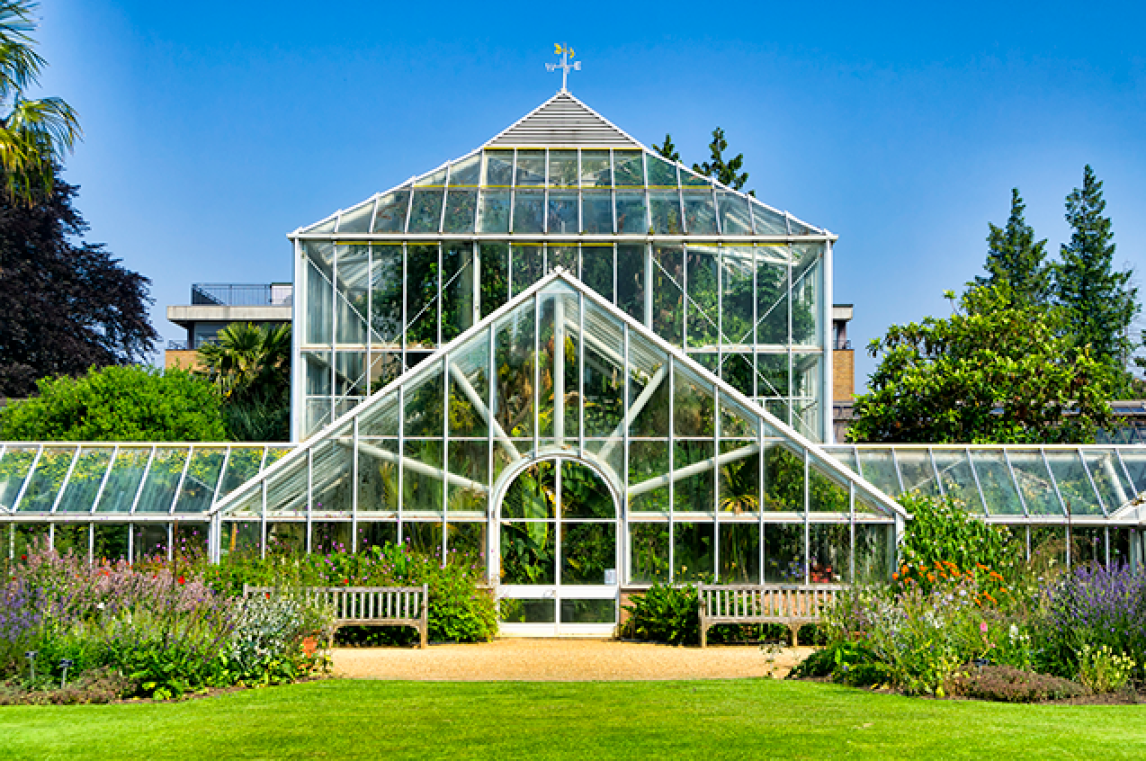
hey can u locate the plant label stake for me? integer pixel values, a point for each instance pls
(31, 656)
(65, 664)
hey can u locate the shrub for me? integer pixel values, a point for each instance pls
(1101, 670)
(665, 613)
(1011, 685)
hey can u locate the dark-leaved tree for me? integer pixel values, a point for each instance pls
(667, 149)
(65, 305)
(1016, 260)
(1100, 303)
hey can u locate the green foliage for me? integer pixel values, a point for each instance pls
(667, 149)
(1100, 303)
(250, 367)
(665, 613)
(941, 532)
(725, 172)
(996, 371)
(1007, 684)
(1103, 670)
(115, 403)
(1016, 260)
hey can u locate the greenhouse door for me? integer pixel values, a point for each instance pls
(557, 547)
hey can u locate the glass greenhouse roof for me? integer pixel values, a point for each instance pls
(448, 434)
(141, 480)
(1014, 483)
(563, 173)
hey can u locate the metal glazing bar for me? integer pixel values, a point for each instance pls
(631, 412)
(27, 479)
(182, 478)
(1093, 485)
(1015, 481)
(420, 467)
(67, 479)
(143, 480)
(978, 484)
(103, 481)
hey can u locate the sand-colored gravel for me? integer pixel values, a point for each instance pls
(563, 660)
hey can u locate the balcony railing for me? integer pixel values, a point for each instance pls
(239, 295)
(182, 344)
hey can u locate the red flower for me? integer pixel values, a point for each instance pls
(23, 557)
(346, 582)
(182, 580)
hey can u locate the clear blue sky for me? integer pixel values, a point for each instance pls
(214, 128)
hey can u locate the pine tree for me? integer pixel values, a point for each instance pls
(1016, 260)
(727, 173)
(1100, 303)
(667, 149)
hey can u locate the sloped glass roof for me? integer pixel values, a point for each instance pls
(557, 370)
(142, 480)
(563, 170)
(1012, 483)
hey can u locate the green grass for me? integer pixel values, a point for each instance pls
(342, 719)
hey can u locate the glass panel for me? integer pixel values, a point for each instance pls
(286, 538)
(736, 265)
(423, 536)
(699, 213)
(768, 221)
(806, 290)
(529, 212)
(694, 494)
(649, 416)
(457, 289)
(631, 280)
(829, 554)
(330, 536)
(357, 220)
(597, 269)
(740, 553)
(631, 216)
(875, 544)
(597, 611)
(498, 168)
(739, 481)
(995, 481)
(493, 212)
(472, 363)
(390, 216)
(773, 379)
(422, 295)
(918, 475)
(588, 552)
(1108, 478)
(527, 266)
(563, 213)
(664, 210)
(1087, 545)
(382, 417)
(528, 552)
(628, 169)
(523, 611)
(461, 210)
(603, 374)
(662, 174)
(123, 481)
(319, 293)
(435, 179)
(693, 406)
(83, 484)
(783, 480)
(377, 476)
(46, 480)
(703, 296)
(1034, 482)
(694, 553)
(1073, 483)
(423, 405)
(330, 476)
(878, 469)
(1048, 546)
(772, 303)
(650, 552)
(494, 277)
(111, 541)
(466, 539)
(595, 169)
(14, 467)
(736, 370)
(200, 481)
(421, 492)
(162, 480)
(958, 480)
(513, 354)
(530, 167)
(1135, 461)
(563, 169)
(735, 219)
(466, 171)
(72, 538)
(386, 298)
(827, 495)
(784, 553)
(668, 275)
(597, 212)
(426, 211)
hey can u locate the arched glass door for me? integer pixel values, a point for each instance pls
(557, 539)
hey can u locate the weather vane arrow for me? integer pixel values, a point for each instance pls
(566, 54)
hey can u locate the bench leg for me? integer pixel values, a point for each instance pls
(794, 629)
(704, 635)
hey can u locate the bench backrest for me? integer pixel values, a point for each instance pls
(366, 603)
(780, 601)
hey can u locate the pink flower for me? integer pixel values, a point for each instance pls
(983, 627)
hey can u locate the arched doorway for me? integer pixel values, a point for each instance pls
(557, 551)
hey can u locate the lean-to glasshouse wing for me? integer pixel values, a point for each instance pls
(579, 452)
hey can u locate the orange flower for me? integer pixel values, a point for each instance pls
(895, 577)
(931, 578)
(904, 570)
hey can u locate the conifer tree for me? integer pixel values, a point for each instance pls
(667, 149)
(726, 172)
(1016, 260)
(1100, 303)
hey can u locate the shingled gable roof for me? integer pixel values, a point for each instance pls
(563, 120)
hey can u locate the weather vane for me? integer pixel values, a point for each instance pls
(566, 53)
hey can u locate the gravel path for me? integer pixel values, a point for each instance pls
(563, 660)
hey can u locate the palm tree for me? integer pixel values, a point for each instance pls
(248, 361)
(34, 133)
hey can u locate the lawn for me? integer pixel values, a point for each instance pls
(648, 720)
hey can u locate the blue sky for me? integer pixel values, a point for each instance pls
(214, 128)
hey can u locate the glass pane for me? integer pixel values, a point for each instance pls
(806, 288)
(597, 269)
(628, 169)
(771, 302)
(875, 552)
(467, 539)
(200, 482)
(649, 543)
(493, 213)
(827, 494)
(390, 216)
(498, 168)
(162, 480)
(532, 495)
(784, 553)
(588, 552)
(426, 211)
(377, 476)
(14, 467)
(457, 289)
(46, 480)
(513, 355)
(1034, 482)
(527, 265)
(466, 171)
(736, 265)
(829, 554)
(595, 169)
(494, 277)
(528, 212)
(631, 280)
(649, 410)
(668, 300)
(739, 480)
(662, 174)
(386, 295)
(694, 494)
(528, 552)
(563, 169)
(878, 469)
(693, 406)
(530, 167)
(1073, 483)
(699, 213)
(123, 481)
(703, 296)
(584, 495)
(423, 405)
(563, 213)
(422, 295)
(357, 220)
(1108, 478)
(83, 485)
(595, 611)
(918, 475)
(423, 536)
(694, 553)
(631, 216)
(735, 219)
(597, 212)
(522, 611)
(461, 210)
(768, 221)
(958, 480)
(995, 481)
(783, 480)
(664, 210)
(740, 553)
(603, 374)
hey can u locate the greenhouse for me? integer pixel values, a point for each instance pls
(585, 364)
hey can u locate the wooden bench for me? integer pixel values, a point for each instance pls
(370, 606)
(788, 604)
